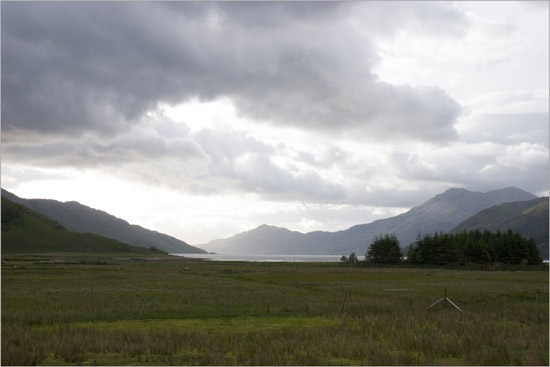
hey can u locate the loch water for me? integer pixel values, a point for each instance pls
(266, 258)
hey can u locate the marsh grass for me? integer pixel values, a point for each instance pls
(277, 314)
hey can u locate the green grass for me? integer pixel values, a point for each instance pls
(27, 231)
(160, 313)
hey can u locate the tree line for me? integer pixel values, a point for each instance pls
(475, 247)
(444, 248)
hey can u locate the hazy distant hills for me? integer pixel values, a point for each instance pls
(264, 239)
(441, 213)
(80, 218)
(27, 231)
(530, 218)
(453, 210)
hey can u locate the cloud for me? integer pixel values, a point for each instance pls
(205, 162)
(506, 128)
(305, 117)
(143, 143)
(474, 166)
(525, 157)
(510, 102)
(15, 175)
(73, 68)
(535, 5)
(386, 19)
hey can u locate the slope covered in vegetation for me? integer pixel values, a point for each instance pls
(529, 218)
(26, 231)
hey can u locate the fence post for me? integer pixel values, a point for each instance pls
(343, 303)
(142, 307)
(91, 301)
(538, 308)
(225, 306)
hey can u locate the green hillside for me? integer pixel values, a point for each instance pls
(529, 218)
(83, 219)
(26, 231)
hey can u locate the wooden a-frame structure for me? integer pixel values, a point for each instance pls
(443, 300)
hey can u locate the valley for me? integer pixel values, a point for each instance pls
(187, 312)
(72, 298)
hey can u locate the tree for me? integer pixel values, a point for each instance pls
(384, 250)
(352, 259)
(474, 247)
(411, 254)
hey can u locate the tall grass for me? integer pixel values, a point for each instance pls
(157, 313)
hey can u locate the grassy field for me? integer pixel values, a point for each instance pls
(118, 311)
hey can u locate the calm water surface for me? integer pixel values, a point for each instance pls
(272, 258)
(267, 258)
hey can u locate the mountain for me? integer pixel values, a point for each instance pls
(441, 213)
(80, 218)
(27, 231)
(529, 218)
(264, 236)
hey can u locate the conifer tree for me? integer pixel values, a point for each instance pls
(384, 250)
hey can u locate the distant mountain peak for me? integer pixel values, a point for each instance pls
(510, 193)
(511, 190)
(265, 226)
(270, 227)
(453, 192)
(443, 212)
(455, 189)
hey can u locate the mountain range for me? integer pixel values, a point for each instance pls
(442, 213)
(25, 231)
(81, 218)
(454, 210)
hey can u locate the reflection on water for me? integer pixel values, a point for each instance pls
(267, 258)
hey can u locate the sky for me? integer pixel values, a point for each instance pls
(205, 119)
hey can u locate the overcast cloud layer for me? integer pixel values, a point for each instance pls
(344, 107)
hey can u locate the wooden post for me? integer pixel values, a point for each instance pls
(444, 300)
(538, 308)
(91, 300)
(142, 307)
(343, 303)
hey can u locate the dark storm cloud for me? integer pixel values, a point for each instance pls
(71, 68)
